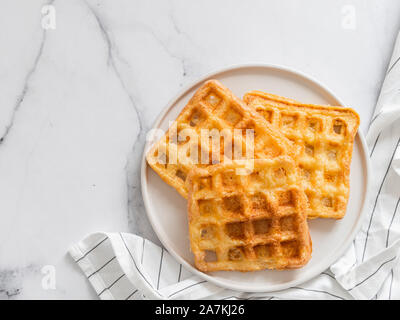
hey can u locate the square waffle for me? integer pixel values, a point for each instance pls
(212, 107)
(325, 136)
(248, 222)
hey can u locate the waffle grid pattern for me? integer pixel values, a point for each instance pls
(212, 107)
(324, 136)
(248, 222)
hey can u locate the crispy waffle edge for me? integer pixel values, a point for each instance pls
(351, 114)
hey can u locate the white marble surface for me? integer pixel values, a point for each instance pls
(76, 101)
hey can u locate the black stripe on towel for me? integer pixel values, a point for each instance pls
(376, 200)
(320, 291)
(127, 298)
(375, 117)
(159, 269)
(91, 250)
(101, 267)
(391, 283)
(192, 285)
(376, 141)
(180, 273)
(391, 221)
(141, 260)
(110, 286)
(390, 69)
(134, 262)
(372, 274)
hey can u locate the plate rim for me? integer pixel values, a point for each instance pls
(205, 276)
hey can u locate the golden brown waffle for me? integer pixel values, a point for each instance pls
(325, 136)
(248, 222)
(212, 107)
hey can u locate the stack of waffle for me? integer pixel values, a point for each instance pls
(253, 171)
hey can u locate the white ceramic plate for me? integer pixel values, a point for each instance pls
(167, 210)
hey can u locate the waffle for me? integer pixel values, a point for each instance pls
(212, 107)
(325, 137)
(248, 222)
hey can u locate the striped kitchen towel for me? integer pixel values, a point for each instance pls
(126, 266)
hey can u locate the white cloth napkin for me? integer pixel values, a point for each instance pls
(126, 266)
